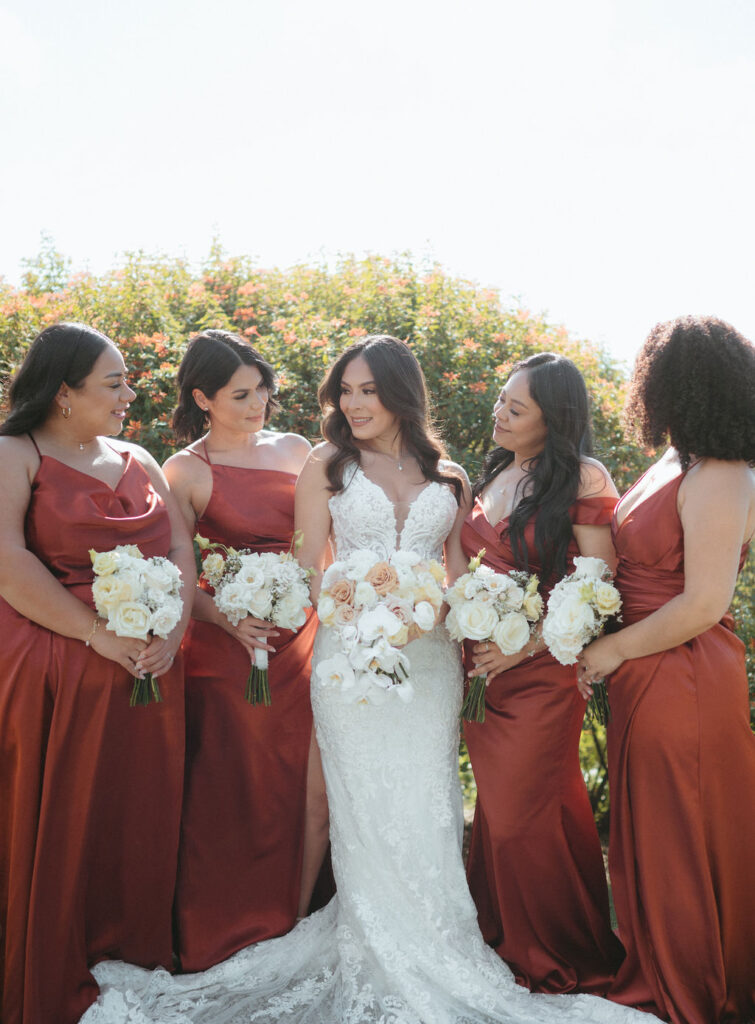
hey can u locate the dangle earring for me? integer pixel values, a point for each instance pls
(66, 410)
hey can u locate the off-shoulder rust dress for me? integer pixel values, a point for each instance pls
(681, 761)
(90, 788)
(535, 866)
(242, 829)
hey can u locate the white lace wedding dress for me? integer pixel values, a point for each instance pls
(399, 943)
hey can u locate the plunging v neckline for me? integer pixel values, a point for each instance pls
(398, 531)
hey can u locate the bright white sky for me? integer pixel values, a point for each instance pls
(594, 159)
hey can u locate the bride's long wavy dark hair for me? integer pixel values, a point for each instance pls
(401, 388)
(551, 485)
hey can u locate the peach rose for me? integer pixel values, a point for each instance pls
(383, 578)
(342, 591)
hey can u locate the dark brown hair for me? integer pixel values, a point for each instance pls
(694, 386)
(551, 485)
(210, 360)
(63, 353)
(401, 388)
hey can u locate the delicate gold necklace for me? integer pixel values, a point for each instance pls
(396, 461)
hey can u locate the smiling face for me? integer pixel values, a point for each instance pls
(240, 405)
(519, 422)
(100, 403)
(366, 415)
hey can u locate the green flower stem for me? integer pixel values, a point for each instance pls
(598, 709)
(144, 691)
(473, 708)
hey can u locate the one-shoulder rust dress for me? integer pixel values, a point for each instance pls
(535, 866)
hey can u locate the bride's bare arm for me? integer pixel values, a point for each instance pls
(456, 560)
(312, 515)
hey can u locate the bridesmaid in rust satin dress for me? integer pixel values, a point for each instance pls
(248, 810)
(91, 787)
(535, 866)
(681, 755)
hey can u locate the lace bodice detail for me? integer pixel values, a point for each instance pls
(365, 517)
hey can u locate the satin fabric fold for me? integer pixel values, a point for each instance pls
(681, 761)
(243, 818)
(535, 865)
(91, 787)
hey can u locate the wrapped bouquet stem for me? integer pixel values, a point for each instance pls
(268, 585)
(578, 608)
(491, 607)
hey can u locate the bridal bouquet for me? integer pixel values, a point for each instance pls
(376, 606)
(269, 585)
(138, 597)
(501, 608)
(578, 608)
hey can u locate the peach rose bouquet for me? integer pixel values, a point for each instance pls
(377, 606)
(137, 597)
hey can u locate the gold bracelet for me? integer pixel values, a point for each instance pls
(95, 626)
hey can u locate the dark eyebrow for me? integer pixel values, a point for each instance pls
(120, 373)
(515, 401)
(241, 391)
(363, 384)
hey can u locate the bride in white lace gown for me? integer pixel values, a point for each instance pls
(399, 943)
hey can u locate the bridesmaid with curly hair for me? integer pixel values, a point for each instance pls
(681, 755)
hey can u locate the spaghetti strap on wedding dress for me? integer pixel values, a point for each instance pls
(399, 942)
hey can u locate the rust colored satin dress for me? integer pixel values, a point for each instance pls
(242, 829)
(681, 762)
(535, 866)
(90, 787)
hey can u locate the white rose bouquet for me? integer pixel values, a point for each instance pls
(269, 585)
(578, 608)
(502, 608)
(138, 597)
(377, 606)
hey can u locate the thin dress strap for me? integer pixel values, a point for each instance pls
(205, 457)
(36, 446)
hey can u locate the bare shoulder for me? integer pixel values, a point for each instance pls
(19, 459)
(719, 479)
(595, 480)
(184, 467)
(291, 449)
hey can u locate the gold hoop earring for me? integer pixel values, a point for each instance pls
(66, 410)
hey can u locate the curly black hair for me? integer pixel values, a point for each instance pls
(694, 386)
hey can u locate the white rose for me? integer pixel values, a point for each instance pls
(213, 567)
(532, 606)
(251, 572)
(233, 601)
(607, 599)
(568, 626)
(335, 571)
(129, 551)
(590, 567)
(365, 595)
(132, 618)
(511, 633)
(260, 603)
(165, 618)
(326, 610)
(359, 563)
(105, 562)
(476, 620)
(160, 575)
(424, 616)
(404, 559)
(114, 589)
(336, 671)
(452, 625)
(472, 588)
(289, 613)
